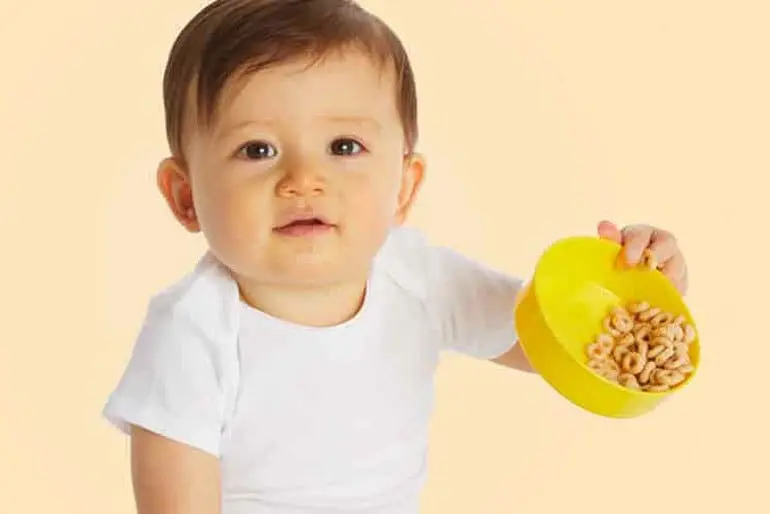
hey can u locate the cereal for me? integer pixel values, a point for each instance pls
(622, 323)
(628, 380)
(643, 333)
(664, 356)
(643, 348)
(667, 331)
(676, 378)
(663, 341)
(596, 365)
(662, 377)
(649, 260)
(648, 314)
(633, 363)
(605, 341)
(675, 332)
(681, 349)
(661, 318)
(646, 374)
(689, 334)
(676, 362)
(604, 367)
(595, 351)
(620, 352)
(610, 372)
(656, 350)
(609, 328)
(626, 340)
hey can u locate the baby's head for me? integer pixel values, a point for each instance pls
(292, 126)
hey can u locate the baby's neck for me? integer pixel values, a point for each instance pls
(322, 306)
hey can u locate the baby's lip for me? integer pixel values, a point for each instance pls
(305, 218)
(304, 226)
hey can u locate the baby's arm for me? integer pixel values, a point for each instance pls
(171, 400)
(515, 359)
(171, 477)
(475, 307)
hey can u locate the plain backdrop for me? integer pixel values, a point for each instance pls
(538, 119)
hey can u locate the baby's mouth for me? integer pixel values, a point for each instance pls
(304, 227)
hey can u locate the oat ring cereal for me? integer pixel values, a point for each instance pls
(689, 334)
(648, 314)
(663, 357)
(626, 340)
(596, 351)
(661, 318)
(663, 341)
(643, 333)
(655, 351)
(676, 362)
(605, 341)
(649, 260)
(620, 352)
(646, 373)
(609, 329)
(633, 363)
(622, 323)
(643, 347)
(628, 380)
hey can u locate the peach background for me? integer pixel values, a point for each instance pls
(540, 118)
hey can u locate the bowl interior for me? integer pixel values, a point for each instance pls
(578, 280)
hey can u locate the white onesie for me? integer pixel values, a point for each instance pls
(314, 420)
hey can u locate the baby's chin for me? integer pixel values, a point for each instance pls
(299, 270)
(301, 261)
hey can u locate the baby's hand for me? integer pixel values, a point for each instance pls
(663, 246)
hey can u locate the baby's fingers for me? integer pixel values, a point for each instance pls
(636, 239)
(663, 247)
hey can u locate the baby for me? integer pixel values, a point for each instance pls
(291, 372)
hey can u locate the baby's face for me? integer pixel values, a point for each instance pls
(304, 172)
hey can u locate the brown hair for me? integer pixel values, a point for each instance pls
(232, 38)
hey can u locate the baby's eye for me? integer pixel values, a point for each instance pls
(345, 146)
(257, 150)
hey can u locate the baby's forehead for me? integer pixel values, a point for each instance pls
(346, 87)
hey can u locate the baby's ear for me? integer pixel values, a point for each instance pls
(411, 181)
(174, 184)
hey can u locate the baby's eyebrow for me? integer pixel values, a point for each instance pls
(358, 120)
(367, 121)
(225, 131)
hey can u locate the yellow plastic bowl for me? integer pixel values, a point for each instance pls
(576, 282)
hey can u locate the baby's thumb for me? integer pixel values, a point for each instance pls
(610, 231)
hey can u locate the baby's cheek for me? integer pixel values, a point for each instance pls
(371, 217)
(231, 225)
(369, 207)
(376, 195)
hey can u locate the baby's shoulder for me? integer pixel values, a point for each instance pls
(405, 258)
(205, 299)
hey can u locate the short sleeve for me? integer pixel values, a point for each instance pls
(172, 384)
(474, 304)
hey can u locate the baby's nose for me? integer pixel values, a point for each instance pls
(302, 179)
